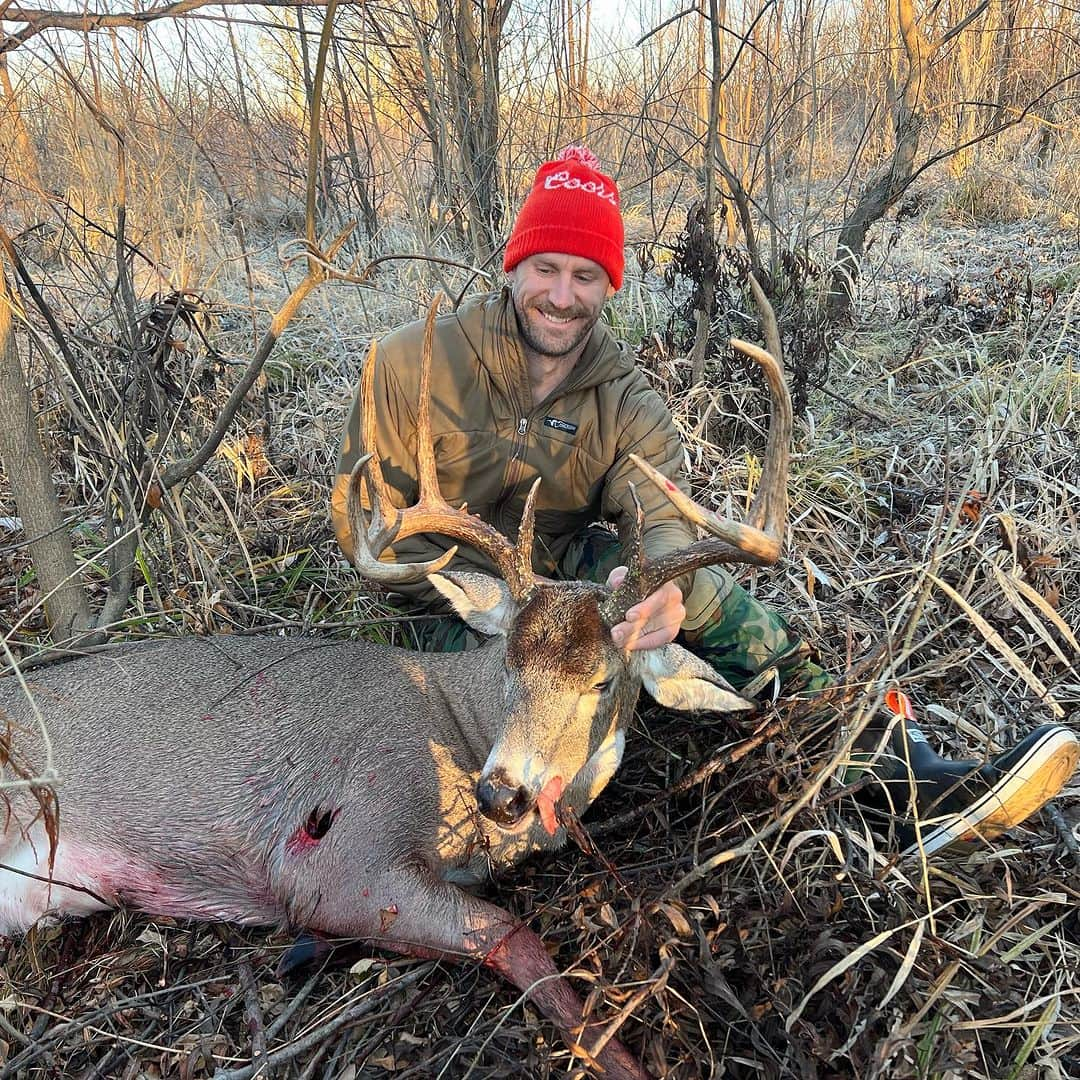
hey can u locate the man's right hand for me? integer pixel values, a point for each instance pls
(651, 623)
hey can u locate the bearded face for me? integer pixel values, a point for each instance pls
(557, 300)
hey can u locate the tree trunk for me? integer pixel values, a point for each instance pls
(471, 35)
(1006, 59)
(26, 165)
(704, 313)
(66, 607)
(885, 188)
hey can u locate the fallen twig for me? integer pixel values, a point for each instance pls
(253, 1013)
(698, 776)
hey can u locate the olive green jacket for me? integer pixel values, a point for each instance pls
(491, 441)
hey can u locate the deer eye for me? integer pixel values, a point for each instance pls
(603, 686)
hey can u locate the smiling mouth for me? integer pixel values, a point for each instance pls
(557, 320)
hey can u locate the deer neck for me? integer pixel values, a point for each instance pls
(468, 687)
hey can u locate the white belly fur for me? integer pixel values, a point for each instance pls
(25, 899)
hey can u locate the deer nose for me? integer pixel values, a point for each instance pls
(505, 803)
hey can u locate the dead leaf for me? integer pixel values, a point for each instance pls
(152, 936)
(1007, 530)
(387, 917)
(387, 1062)
(677, 917)
(257, 461)
(1042, 562)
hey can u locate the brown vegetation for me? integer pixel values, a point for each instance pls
(744, 921)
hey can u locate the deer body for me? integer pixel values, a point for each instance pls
(197, 795)
(329, 785)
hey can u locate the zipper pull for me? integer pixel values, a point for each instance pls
(523, 425)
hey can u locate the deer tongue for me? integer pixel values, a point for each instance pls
(545, 803)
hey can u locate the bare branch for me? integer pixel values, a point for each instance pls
(39, 19)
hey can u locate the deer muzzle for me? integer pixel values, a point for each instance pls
(502, 801)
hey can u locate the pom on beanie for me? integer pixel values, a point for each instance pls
(572, 209)
(582, 154)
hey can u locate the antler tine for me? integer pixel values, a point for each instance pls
(768, 511)
(372, 534)
(384, 524)
(375, 531)
(629, 591)
(380, 494)
(525, 579)
(760, 540)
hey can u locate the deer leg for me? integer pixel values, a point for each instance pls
(420, 915)
(306, 950)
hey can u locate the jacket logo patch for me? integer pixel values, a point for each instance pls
(560, 425)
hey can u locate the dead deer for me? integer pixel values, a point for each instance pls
(352, 788)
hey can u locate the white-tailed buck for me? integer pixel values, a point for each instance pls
(353, 788)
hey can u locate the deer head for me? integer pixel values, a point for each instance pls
(567, 691)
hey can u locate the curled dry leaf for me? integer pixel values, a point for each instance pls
(972, 505)
(676, 915)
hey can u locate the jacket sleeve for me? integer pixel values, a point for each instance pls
(396, 438)
(647, 429)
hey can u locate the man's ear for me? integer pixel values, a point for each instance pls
(482, 601)
(677, 679)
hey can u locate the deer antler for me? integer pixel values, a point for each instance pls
(374, 532)
(757, 542)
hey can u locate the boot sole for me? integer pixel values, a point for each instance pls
(1032, 782)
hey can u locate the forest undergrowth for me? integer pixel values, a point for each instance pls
(753, 922)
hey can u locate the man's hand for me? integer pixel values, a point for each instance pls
(652, 622)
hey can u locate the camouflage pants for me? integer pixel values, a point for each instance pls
(739, 637)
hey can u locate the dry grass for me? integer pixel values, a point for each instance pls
(805, 950)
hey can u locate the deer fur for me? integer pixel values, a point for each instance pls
(330, 784)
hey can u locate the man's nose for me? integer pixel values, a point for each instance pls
(561, 292)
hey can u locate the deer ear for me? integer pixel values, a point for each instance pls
(482, 601)
(677, 679)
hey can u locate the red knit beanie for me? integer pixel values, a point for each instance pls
(573, 209)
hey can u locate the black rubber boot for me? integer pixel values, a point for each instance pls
(938, 802)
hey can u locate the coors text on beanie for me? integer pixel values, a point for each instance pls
(572, 209)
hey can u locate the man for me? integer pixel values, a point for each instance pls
(528, 382)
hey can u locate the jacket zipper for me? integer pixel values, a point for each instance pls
(512, 474)
(511, 477)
